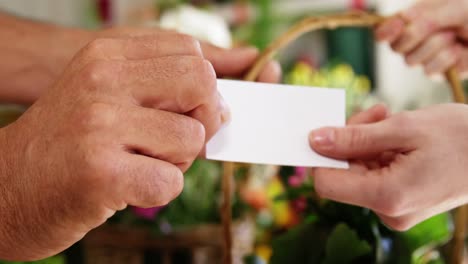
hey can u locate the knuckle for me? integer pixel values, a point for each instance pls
(97, 75)
(205, 75)
(97, 47)
(189, 43)
(354, 137)
(197, 134)
(192, 138)
(168, 184)
(188, 135)
(99, 168)
(96, 117)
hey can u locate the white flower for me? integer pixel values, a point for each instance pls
(200, 24)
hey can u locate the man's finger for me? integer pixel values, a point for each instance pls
(229, 62)
(271, 73)
(148, 182)
(235, 62)
(358, 141)
(160, 44)
(188, 86)
(374, 114)
(167, 136)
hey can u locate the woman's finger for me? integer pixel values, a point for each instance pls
(430, 48)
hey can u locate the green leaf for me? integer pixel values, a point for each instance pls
(436, 230)
(301, 244)
(344, 246)
(52, 260)
(410, 246)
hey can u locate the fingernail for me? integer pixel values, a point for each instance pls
(388, 30)
(324, 137)
(382, 32)
(248, 50)
(225, 111)
(411, 61)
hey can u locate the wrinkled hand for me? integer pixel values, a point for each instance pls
(406, 168)
(432, 33)
(119, 128)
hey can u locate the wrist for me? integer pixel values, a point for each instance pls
(33, 56)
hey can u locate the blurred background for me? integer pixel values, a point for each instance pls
(277, 216)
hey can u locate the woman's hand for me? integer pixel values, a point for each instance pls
(406, 168)
(432, 33)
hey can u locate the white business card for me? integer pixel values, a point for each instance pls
(270, 123)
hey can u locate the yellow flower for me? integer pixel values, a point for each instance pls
(264, 252)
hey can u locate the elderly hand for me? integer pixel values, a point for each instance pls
(119, 127)
(432, 33)
(406, 168)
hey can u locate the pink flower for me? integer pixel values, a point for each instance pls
(300, 204)
(298, 178)
(295, 181)
(146, 213)
(301, 171)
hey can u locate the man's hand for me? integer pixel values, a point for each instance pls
(433, 33)
(35, 54)
(406, 168)
(120, 126)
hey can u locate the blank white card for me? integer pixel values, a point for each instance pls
(270, 123)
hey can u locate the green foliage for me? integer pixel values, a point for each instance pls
(53, 260)
(301, 244)
(435, 230)
(337, 233)
(344, 246)
(414, 245)
(263, 27)
(198, 203)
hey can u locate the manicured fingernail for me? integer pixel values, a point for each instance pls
(324, 137)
